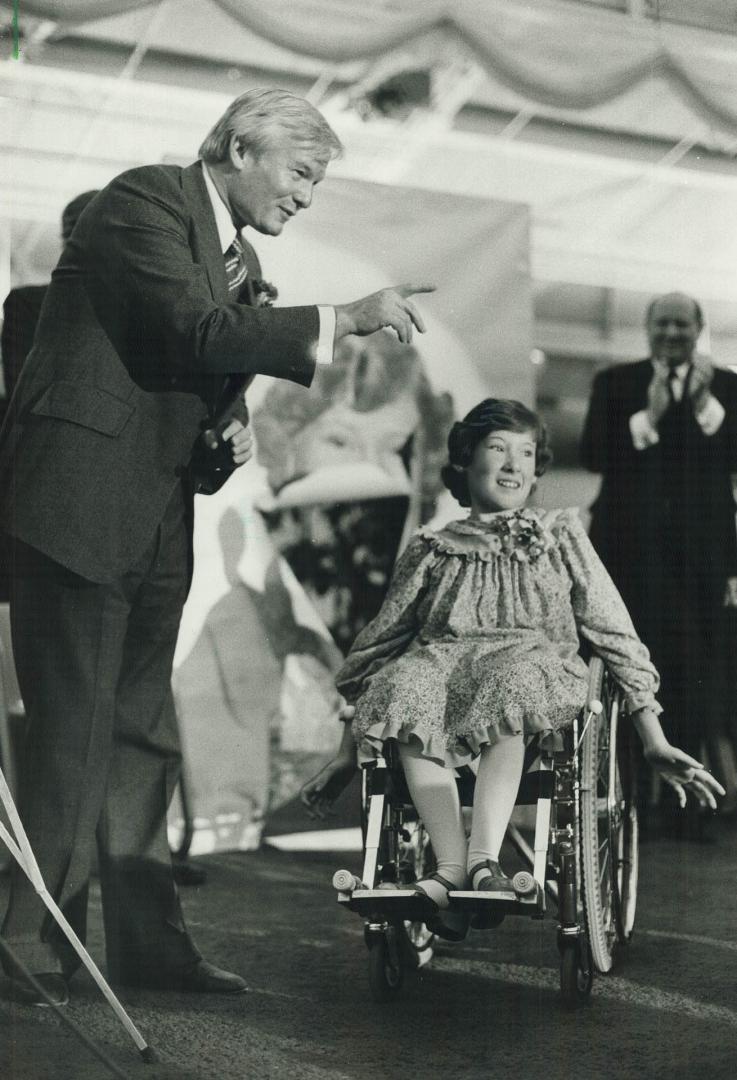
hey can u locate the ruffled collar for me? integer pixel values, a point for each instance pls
(518, 534)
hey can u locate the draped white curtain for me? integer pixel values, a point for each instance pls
(552, 51)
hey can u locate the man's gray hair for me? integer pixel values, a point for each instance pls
(255, 117)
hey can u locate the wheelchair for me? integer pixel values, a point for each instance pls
(581, 863)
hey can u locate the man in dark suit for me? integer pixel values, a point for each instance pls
(663, 432)
(130, 401)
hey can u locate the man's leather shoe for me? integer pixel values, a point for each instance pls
(54, 985)
(201, 978)
(205, 978)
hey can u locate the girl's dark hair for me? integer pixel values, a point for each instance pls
(491, 414)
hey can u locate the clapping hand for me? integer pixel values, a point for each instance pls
(658, 394)
(683, 773)
(730, 593)
(699, 383)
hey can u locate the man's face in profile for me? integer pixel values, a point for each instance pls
(673, 328)
(267, 188)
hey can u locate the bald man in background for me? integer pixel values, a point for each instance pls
(663, 433)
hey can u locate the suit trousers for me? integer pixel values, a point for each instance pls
(102, 755)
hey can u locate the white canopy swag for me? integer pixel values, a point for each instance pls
(553, 52)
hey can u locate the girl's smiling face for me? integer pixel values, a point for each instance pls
(502, 471)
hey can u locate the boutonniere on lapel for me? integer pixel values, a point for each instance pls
(519, 535)
(265, 293)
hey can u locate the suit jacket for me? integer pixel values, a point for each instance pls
(21, 311)
(134, 356)
(671, 500)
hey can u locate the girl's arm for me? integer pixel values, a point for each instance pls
(320, 793)
(396, 624)
(385, 637)
(603, 620)
(675, 766)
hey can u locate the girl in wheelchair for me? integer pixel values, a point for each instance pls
(476, 649)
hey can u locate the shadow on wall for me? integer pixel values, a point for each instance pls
(257, 702)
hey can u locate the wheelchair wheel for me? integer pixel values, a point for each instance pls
(576, 973)
(628, 848)
(385, 969)
(608, 826)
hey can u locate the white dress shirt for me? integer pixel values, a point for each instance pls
(228, 233)
(709, 419)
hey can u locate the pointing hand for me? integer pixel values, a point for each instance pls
(386, 308)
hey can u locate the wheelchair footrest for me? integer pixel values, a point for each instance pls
(477, 900)
(390, 904)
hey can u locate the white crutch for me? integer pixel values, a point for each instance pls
(21, 851)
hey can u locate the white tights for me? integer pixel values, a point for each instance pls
(435, 795)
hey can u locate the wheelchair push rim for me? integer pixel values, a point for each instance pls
(608, 825)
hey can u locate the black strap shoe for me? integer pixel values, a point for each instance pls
(493, 878)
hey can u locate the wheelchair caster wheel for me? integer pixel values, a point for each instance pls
(385, 969)
(523, 883)
(576, 973)
(345, 881)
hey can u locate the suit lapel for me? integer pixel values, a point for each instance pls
(206, 250)
(641, 374)
(206, 241)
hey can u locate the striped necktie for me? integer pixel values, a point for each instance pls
(235, 266)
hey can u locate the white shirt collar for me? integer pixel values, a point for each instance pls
(681, 371)
(226, 229)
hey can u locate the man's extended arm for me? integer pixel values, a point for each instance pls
(144, 249)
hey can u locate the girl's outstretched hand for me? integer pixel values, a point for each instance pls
(684, 774)
(319, 793)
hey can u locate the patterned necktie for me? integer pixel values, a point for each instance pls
(235, 266)
(233, 386)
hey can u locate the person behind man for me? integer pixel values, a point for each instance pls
(663, 434)
(131, 400)
(22, 306)
(21, 309)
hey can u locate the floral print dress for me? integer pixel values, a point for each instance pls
(479, 634)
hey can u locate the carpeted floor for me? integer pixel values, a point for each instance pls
(483, 1009)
